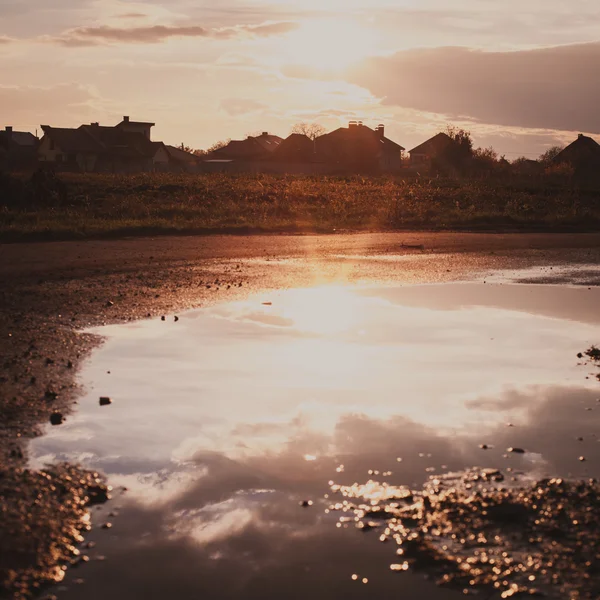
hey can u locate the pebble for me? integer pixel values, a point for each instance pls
(105, 400)
(56, 418)
(516, 450)
(306, 503)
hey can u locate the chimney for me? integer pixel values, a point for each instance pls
(126, 119)
(380, 131)
(265, 133)
(352, 124)
(95, 124)
(580, 136)
(8, 129)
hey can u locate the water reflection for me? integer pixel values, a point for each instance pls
(224, 422)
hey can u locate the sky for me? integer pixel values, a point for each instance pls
(521, 75)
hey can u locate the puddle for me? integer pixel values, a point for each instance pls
(227, 424)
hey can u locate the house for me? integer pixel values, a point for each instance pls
(180, 160)
(297, 148)
(583, 155)
(18, 149)
(253, 148)
(424, 154)
(359, 148)
(127, 147)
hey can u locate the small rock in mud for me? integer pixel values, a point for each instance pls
(105, 401)
(306, 503)
(516, 450)
(106, 525)
(582, 458)
(163, 318)
(176, 318)
(56, 418)
(484, 446)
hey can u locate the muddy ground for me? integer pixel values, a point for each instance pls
(49, 292)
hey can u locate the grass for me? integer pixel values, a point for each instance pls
(116, 205)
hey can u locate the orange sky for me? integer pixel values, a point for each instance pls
(521, 75)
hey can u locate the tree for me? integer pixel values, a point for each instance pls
(310, 130)
(550, 154)
(216, 146)
(455, 158)
(462, 138)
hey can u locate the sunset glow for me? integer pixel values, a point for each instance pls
(205, 72)
(328, 44)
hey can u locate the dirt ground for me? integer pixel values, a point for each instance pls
(50, 292)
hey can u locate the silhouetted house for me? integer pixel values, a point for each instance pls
(181, 160)
(358, 148)
(130, 126)
(424, 154)
(583, 155)
(124, 148)
(253, 148)
(18, 149)
(297, 148)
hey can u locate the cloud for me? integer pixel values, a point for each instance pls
(5, 40)
(133, 15)
(64, 103)
(241, 106)
(105, 34)
(548, 88)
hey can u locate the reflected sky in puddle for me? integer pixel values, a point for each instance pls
(224, 421)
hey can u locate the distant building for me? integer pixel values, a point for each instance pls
(297, 148)
(126, 147)
(18, 149)
(424, 154)
(180, 160)
(583, 155)
(253, 148)
(358, 148)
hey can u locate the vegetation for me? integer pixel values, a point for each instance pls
(95, 205)
(310, 130)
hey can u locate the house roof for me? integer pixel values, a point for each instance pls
(268, 142)
(20, 138)
(355, 140)
(583, 149)
(297, 146)
(128, 122)
(125, 144)
(180, 155)
(433, 145)
(252, 147)
(96, 139)
(72, 141)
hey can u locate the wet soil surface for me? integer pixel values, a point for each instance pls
(50, 292)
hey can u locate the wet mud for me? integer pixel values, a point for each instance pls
(484, 531)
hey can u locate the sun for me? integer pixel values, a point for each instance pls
(332, 44)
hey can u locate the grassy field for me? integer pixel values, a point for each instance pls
(95, 205)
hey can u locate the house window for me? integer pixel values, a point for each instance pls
(52, 145)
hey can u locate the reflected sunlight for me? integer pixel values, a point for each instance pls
(328, 44)
(324, 310)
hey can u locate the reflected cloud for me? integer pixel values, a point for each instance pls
(226, 425)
